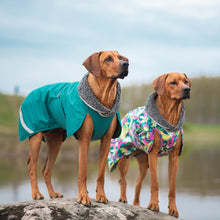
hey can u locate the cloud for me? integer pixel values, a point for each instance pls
(47, 40)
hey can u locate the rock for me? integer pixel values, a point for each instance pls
(69, 209)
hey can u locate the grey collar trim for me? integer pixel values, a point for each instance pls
(88, 97)
(155, 115)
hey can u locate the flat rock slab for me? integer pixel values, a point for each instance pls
(55, 209)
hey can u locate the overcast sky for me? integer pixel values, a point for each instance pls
(46, 41)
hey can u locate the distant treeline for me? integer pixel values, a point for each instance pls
(203, 107)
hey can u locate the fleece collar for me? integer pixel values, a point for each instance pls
(154, 113)
(88, 97)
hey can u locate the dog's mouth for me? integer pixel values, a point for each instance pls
(185, 94)
(121, 75)
(183, 97)
(123, 71)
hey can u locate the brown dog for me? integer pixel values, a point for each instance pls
(48, 114)
(171, 89)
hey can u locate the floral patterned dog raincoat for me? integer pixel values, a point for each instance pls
(138, 130)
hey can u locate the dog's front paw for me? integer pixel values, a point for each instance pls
(101, 198)
(173, 211)
(123, 199)
(37, 196)
(55, 195)
(84, 199)
(154, 206)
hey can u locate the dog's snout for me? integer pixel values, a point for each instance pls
(186, 89)
(124, 64)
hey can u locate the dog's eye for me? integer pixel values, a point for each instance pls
(173, 83)
(108, 59)
(186, 81)
(120, 58)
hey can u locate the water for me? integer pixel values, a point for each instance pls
(198, 183)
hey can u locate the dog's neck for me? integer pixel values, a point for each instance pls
(169, 109)
(104, 89)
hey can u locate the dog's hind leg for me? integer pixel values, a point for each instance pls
(54, 141)
(123, 166)
(143, 166)
(34, 145)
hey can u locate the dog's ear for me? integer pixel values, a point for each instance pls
(92, 64)
(190, 83)
(159, 84)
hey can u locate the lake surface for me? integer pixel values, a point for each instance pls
(198, 183)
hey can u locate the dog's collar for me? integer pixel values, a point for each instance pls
(88, 97)
(155, 115)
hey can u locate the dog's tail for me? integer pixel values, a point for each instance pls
(29, 158)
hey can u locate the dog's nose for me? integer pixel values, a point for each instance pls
(124, 64)
(186, 89)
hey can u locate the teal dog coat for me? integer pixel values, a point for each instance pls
(63, 105)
